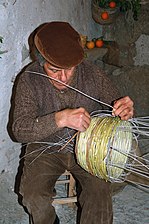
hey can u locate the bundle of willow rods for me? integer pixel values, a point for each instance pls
(103, 148)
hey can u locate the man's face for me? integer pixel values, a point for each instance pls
(63, 75)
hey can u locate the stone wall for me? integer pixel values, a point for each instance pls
(125, 57)
(131, 61)
(126, 60)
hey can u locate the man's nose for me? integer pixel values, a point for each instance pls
(63, 76)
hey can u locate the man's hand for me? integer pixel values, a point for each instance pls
(123, 108)
(78, 119)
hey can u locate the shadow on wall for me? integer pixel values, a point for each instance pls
(9, 130)
(32, 50)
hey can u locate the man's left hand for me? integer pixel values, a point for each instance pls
(123, 108)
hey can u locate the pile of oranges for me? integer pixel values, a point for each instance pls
(94, 43)
(99, 41)
(105, 14)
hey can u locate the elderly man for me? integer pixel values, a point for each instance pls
(47, 111)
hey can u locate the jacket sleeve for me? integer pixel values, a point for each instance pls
(27, 125)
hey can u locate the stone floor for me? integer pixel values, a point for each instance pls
(131, 206)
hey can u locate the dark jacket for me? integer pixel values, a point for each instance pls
(37, 100)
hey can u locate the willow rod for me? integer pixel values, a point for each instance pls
(70, 87)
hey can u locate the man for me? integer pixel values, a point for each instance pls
(47, 113)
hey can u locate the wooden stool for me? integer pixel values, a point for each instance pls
(67, 179)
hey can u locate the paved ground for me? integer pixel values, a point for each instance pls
(131, 206)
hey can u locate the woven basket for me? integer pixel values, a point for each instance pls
(97, 11)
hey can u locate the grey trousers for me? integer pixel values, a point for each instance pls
(38, 182)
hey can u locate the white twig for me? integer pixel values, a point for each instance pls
(70, 87)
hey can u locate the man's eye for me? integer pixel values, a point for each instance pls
(53, 70)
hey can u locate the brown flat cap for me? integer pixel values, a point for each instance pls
(59, 44)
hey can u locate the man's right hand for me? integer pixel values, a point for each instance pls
(78, 119)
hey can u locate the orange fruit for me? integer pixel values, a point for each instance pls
(105, 16)
(112, 4)
(90, 44)
(99, 43)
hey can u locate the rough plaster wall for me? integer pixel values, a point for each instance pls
(17, 20)
(142, 51)
(130, 70)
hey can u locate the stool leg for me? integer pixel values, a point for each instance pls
(69, 182)
(71, 190)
